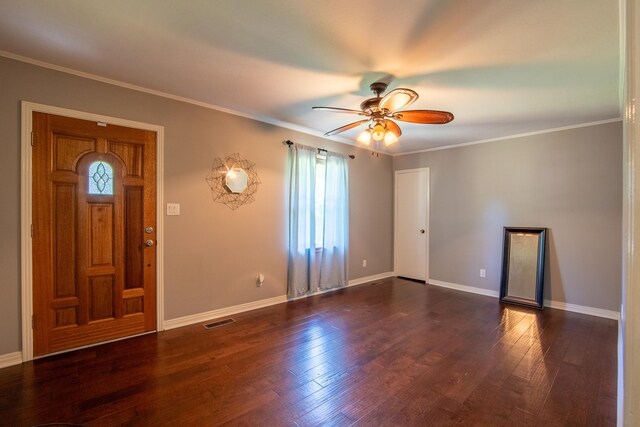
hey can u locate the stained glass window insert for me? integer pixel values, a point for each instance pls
(100, 178)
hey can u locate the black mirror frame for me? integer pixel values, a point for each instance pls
(538, 302)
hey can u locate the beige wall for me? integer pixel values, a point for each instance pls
(212, 254)
(569, 181)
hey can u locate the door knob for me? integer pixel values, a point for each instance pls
(149, 242)
(422, 230)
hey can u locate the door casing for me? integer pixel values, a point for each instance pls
(27, 203)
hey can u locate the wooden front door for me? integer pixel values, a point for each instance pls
(94, 214)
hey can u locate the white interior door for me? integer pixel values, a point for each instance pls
(411, 242)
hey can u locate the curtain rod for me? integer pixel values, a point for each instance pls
(290, 143)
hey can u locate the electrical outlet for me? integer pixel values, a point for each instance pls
(364, 262)
(483, 272)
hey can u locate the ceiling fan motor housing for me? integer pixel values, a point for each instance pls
(370, 105)
(378, 88)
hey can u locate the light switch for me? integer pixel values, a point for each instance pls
(173, 209)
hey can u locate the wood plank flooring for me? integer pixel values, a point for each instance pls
(392, 353)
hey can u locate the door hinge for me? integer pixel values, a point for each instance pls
(33, 321)
(32, 138)
(31, 230)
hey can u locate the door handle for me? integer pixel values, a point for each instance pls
(149, 242)
(422, 231)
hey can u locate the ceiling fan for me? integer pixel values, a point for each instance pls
(379, 112)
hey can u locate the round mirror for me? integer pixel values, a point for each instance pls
(236, 180)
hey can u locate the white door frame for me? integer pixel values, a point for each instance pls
(426, 221)
(628, 342)
(27, 203)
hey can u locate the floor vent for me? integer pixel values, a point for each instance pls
(218, 323)
(376, 283)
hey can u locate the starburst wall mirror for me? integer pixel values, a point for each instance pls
(233, 181)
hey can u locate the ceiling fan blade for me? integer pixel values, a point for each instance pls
(345, 127)
(393, 127)
(397, 99)
(339, 110)
(430, 117)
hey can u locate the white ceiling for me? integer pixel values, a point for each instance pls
(502, 67)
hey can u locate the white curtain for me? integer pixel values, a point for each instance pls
(312, 268)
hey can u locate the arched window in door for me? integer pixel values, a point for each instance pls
(100, 178)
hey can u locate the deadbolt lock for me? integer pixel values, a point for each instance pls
(148, 230)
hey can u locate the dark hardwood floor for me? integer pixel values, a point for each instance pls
(393, 353)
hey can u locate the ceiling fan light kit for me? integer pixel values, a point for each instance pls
(365, 137)
(377, 133)
(390, 138)
(379, 112)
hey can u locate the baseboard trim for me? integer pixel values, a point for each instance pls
(10, 359)
(464, 288)
(599, 312)
(354, 282)
(575, 308)
(227, 311)
(367, 279)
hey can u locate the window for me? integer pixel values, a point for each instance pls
(100, 178)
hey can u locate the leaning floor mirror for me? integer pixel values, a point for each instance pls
(523, 266)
